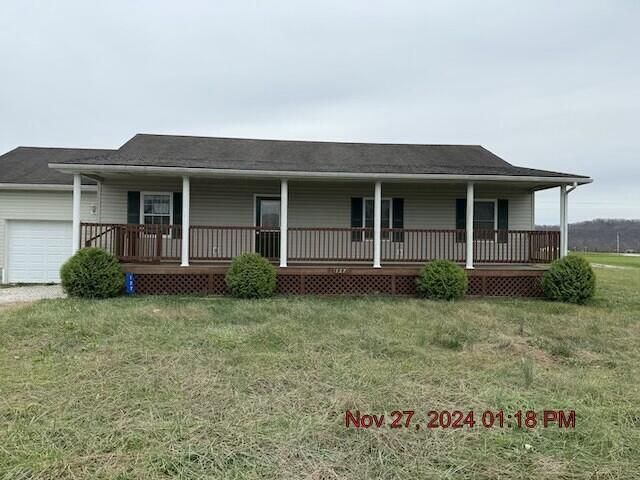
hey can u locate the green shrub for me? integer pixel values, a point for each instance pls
(570, 279)
(442, 280)
(92, 273)
(251, 276)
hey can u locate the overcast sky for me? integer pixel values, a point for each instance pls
(552, 85)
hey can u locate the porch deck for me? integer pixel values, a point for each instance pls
(325, 261)
(329, 268)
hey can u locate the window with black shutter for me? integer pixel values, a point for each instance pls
(398, 218)
(133, 208)
(356, 218)
(461, 219)
(503, 221)
(177, 215)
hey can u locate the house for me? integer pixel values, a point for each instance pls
(334, 217)
(35, 212)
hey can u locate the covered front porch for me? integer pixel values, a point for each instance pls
(398, 224)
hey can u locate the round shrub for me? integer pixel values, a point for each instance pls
(92, 273)
(442, 280)
(569, 279)
(251, 276)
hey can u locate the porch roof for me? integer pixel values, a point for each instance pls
(234, 156)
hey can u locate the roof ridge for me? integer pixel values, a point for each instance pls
(306, 141)
(64, 148)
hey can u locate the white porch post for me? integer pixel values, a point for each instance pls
(75, 230)
(186, 201)
(377, 224)
(284, 224)
(564, 229)
(469, 226)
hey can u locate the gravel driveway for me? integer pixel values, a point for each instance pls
(30, 293)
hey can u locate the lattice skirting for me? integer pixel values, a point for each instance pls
(524, 285)
(505, 286)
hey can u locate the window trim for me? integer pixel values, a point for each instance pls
(143, 194)
(364, 218)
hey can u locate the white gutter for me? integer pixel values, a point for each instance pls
(227, 172)
(42, 186)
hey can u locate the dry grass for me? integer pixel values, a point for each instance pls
(220, 388)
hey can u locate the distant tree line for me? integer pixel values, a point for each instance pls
(600, 235)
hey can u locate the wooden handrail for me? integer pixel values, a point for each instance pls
(95, 237)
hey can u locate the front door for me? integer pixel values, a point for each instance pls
(268, 221)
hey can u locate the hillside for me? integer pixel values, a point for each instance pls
(600, 235)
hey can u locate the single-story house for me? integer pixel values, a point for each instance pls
(35, 212)
(334, 217)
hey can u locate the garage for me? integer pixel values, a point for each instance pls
(36, 250)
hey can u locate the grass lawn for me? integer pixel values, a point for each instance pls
(614, 259)
(220, 388)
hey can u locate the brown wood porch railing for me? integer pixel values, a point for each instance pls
(515, 246)
(330, 244)
(418, 245)
(208, 242)
(154, 243)
(544, 246)
(133, 242)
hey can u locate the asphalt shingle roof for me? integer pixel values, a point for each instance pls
(30, 165)
(301, 156)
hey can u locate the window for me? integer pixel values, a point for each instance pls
(488, 216)
(268, 210)
(386, 217)
(156, 208)
(391, 217)
(484, 219)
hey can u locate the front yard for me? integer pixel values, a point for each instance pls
(221, 388)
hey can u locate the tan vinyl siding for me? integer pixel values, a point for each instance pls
(40, 205)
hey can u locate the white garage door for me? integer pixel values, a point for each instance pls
(36, 250)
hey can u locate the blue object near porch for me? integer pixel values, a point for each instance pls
(129, 283)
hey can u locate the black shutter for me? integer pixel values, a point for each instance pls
(503, 221)
(133, 207)
(398, 218)
(461, 220)
(177, 215)
(356, 218)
